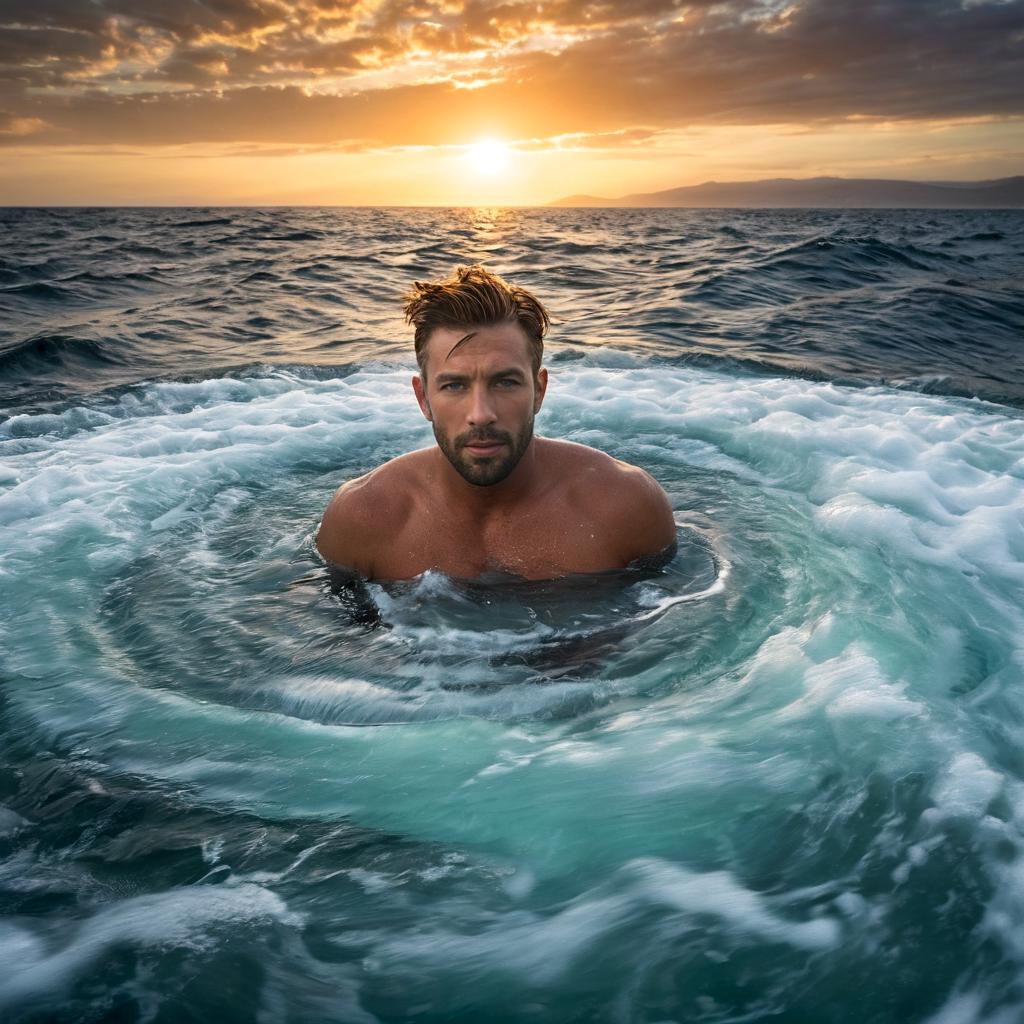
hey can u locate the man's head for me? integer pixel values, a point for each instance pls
(473, 297)
(479, 344)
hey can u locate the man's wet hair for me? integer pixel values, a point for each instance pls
(473, 297)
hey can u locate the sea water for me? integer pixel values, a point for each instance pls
(780, 778)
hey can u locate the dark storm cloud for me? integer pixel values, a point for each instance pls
(118, 72)
(907, 59)
(19, 45)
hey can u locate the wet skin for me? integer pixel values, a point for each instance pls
(490, 495)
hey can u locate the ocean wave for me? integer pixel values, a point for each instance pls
(202, 222)
(724, 789)
(804, 292)
(776, 751)
(62, 351)
(42, 291)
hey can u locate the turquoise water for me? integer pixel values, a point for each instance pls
(781, 779)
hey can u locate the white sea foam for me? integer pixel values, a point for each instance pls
(866, 621)
(181, 918)
(967, 786)
(11, 822)
(939, 479)
(536, 950)
(720, 895)
(533, 950)
(967, 1008)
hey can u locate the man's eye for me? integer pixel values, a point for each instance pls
(508, 382)
(452, 385)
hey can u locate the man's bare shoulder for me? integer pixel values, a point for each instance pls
(627, 497)
(591, 468)
(368, 508)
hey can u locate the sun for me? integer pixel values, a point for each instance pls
(488, 157)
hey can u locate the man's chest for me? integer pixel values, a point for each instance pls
(539, 543)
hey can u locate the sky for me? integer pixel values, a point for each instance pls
(495, 102)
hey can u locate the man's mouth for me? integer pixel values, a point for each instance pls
(484, 447)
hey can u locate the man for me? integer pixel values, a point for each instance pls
(490, 496)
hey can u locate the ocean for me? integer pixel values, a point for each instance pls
(781, 779)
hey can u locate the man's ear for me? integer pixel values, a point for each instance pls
(541, 387)
(419, 388)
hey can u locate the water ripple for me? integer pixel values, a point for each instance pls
(931, 300)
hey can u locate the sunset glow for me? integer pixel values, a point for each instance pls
(301, 102)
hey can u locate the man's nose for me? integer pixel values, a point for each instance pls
(481, 409)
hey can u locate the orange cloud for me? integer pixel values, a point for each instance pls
(440, 72)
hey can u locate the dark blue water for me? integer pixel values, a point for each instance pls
(91, 299)
(779, 780)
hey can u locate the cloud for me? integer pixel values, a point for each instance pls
(625, 138)
(441, 72)
(20, 127)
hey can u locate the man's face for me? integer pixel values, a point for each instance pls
(480, 395)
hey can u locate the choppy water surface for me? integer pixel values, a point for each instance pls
(779, 779)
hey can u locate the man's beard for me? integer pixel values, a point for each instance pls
(492, 469)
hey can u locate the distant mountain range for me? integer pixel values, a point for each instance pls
(876, 193)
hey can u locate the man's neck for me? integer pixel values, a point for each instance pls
(493, 499)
